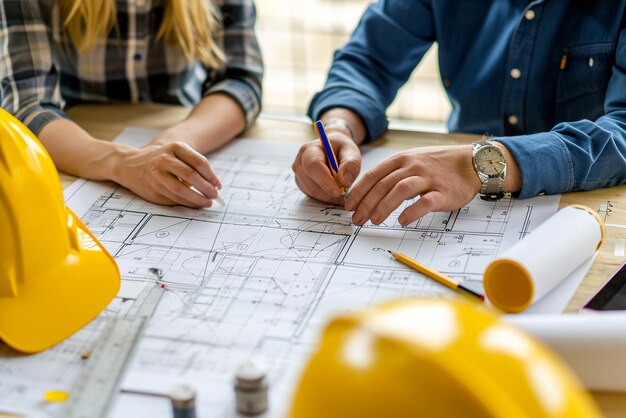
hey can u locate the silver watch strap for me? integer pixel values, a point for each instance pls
(492, 185)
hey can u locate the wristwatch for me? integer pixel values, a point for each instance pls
(490, 165)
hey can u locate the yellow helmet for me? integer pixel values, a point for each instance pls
(55, 276)
(435, 358)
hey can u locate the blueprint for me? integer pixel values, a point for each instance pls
(257, 278)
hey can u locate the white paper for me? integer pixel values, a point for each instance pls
(557, 299)
(592, 344)
(261, 276)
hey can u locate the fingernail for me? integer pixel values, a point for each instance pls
(375, 219)
(357, 218)
(349, 203)
(401, 220)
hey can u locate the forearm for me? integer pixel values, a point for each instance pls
(361, 78)
(578, 155)
(76, 152)
(213, 122)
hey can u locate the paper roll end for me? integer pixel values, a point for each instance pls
(508, 285)
(596, 215)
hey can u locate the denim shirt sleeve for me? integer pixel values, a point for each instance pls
(361, 78)
(579, 155)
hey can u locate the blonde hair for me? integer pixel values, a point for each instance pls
(190, 24)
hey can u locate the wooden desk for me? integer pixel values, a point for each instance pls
(107, 121)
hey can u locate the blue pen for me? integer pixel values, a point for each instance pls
(330, 154)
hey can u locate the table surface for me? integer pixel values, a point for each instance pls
(108, 121)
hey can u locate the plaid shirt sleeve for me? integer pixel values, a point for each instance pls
(242, 75)
(29, 81)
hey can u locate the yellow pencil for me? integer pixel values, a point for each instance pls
(218, 199)
(433, 274)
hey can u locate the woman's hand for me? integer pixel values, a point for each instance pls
(155, 172)
(164, 174)
(314, 177)
(443, 177)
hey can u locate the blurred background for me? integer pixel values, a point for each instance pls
(298, 38)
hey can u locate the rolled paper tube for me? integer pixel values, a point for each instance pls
(540, 261)
(592, 344)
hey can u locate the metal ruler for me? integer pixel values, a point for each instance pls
(99, 381)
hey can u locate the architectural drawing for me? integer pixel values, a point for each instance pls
(257, 278)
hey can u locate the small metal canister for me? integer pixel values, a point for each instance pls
(251, 389)
(183, 399)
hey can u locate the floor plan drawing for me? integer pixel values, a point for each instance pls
(259, 277)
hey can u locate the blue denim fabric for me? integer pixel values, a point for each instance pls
(557, 66)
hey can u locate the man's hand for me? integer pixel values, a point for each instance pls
(443, 177)
(313, 176)
(163, 174)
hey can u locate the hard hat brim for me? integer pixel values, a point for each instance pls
(57, 303)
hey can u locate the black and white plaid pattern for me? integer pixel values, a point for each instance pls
(41, 71)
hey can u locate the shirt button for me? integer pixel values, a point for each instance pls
(590, 62)
(513, 120)
(516, 73)
(541, 193)
(137, 56)
(530, 14)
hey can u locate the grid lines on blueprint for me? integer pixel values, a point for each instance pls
(259, 277)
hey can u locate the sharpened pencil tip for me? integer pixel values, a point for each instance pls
(220, 200)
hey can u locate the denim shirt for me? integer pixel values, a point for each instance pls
(547, 78)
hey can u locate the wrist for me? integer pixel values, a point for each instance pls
(490, 165)
(467, 157)
(116, 162)
(513, 179)
(102, 161)
(347, 121)
(176, 133)
(341, 125)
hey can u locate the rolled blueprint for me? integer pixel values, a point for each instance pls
(592, 344)
(541, 260)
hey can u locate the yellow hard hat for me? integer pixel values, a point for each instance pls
(55, 276)
(435, 358)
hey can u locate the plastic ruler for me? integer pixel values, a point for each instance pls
(99, 381)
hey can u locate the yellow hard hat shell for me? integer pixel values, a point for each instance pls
(55, 276)
(435, 358)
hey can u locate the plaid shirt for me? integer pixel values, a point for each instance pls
(41, 71)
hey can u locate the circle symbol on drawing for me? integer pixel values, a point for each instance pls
(162, 234)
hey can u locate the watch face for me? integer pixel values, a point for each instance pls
(490, 161)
